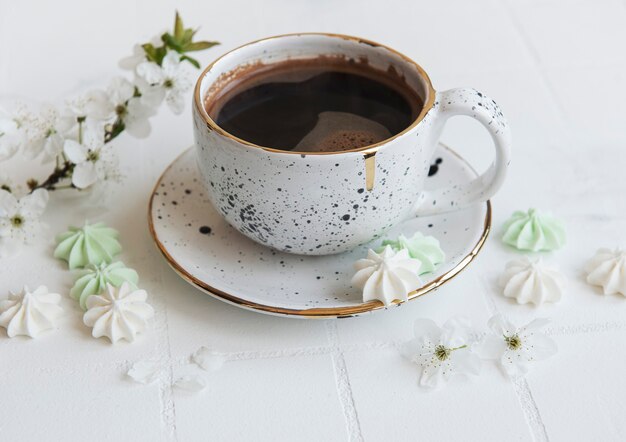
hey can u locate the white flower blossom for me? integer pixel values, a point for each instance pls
(45, 134)
(517, 347)
(442, 352)
(91, 163)
(169, 81)
(19, 218)
(88, 111)
(132, 110)
(12, 132)
(92, 105)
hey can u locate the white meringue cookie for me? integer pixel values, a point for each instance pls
(118, 313)
(387, 276)
(530, 281)
(607, 269)
(29, 313)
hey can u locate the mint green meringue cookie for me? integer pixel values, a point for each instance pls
(534, 231)
(424, 248)
(93, 280)
(91, 244)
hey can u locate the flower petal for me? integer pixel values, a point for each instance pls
(8, 204)
(427, 328)
(120, 90)
(208, 360)
(84, 175)
(514, 365)
(190, 383)
(456, 332)
(138, 128)
(175, 101)
(34, 204)
(171, 63)
(152, 96)
(542, 346)
(536, 324)
(501, 326)
(74, 151)
(466, 362)
(151, 72)
(144, 372)
(433, 376)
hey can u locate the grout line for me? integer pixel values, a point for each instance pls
(531, 412)
(305, 351)
(166, 373)
(278, 353)
(585, 328)
(520, 386)
(343, 384)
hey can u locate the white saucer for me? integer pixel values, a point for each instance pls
(208, 253)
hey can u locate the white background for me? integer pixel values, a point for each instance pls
(557, 68)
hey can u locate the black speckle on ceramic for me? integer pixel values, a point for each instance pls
(434, 168)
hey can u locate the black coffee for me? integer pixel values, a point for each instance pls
(320, 105)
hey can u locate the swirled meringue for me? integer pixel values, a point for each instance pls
(419, 246)
(94, 278)
(607, 269)
(30, 313)
(91, 244)
(530, 281)
(387, 276)
(118, 313)
(534, 231)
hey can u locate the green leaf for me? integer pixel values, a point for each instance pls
(193, 61)
(171, 42)
(148, 48)
(178, 27)
(199, 46)
(188, 36)
(181, 41)
(154, 54)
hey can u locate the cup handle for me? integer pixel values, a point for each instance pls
(470, 102)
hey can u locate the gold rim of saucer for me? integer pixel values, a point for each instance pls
(370, 149)
(321, 313)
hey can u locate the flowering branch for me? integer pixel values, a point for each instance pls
(77, 137)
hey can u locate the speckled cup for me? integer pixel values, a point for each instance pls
(323, 203)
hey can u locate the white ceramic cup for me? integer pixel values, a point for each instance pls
(322, 203)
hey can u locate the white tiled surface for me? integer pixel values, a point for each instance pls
(558, 70)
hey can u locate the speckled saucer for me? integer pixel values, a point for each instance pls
(207, 252)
